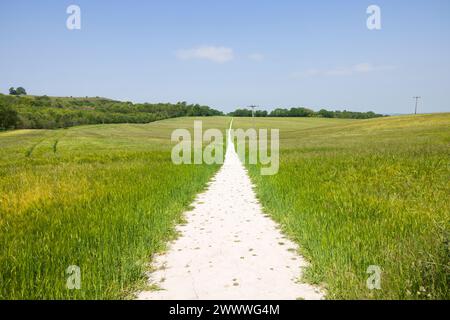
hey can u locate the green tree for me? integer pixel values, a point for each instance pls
(300, 112)
(241, 113)
(21, 91)
(12, 91)
(279, 112)
(260, 113)
(8, 117)
(326, 114)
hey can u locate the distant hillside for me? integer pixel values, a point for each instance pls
(43, 112)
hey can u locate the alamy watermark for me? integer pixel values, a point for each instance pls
(374, 20)
(374, 280)
(73, 21)
(189, 150)
(73, 281)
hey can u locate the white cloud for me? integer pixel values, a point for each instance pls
(311, 72)
(211, 53)
(256, 57)
(343, 71)
(363, 68)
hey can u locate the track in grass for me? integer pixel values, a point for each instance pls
(229, 249)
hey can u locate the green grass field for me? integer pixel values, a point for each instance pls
(352, 193)
(355, 193)
(102, 197)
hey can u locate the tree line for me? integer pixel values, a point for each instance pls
(305, 112)
(18, 111)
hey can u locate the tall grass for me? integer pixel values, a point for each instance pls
(361, 193)
(104, 198)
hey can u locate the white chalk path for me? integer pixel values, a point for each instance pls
(229, 249)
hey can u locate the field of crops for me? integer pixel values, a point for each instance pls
(355, 193)
(101, 197)
(352, 193)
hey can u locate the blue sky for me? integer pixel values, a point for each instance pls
(232, 53)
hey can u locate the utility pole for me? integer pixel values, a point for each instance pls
(417, 101)
(253, 114)
(253, 111)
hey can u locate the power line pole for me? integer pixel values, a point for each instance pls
(417, 101)
(253, 114)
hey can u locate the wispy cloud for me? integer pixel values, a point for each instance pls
(256, 57)
(360, 68)
(211, 53)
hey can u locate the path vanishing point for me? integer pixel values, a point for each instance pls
(229, 249)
